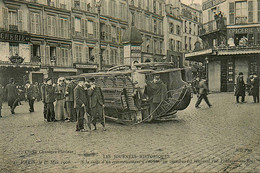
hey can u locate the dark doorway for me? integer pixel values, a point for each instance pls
(223, 76)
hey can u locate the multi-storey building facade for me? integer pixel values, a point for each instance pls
(231, 39)
(148, 18)
(59, 37)
(173, 32)
(192, 19)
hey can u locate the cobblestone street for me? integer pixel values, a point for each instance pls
(223, 138)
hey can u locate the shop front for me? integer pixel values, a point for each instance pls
(15, 57)
(224, 65)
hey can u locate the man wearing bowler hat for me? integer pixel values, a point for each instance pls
(49, 100)
(69, 99)
(96, 104)
(240, 88)
(80, 102)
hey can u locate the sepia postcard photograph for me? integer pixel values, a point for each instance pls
(129, 86)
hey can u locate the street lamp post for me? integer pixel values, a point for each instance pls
(98, 5)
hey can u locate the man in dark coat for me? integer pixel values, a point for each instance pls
(203, 92)
(1, 99)
(255, 88)
(12, 95)
(156, 90)
(69, 99)
(240, 88)
(31, 95)
(80, 101)
(96, 104)
(43, 99)
(49, 100)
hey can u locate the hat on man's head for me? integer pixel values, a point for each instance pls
(255, 74)
(68, 78)
(11, 80)
(27, 81)
(91, 80)
(81, 79)
(240, 73)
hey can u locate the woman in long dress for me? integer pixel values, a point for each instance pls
(60, 113)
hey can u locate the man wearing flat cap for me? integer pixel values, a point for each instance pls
(240, 88)
(69, 99)
(80, 102)
(96, 104)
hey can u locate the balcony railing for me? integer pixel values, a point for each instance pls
(214, 25)
(13, 27)
(241, 20)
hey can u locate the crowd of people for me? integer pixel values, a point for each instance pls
(69, 100)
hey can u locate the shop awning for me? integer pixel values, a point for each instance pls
(198, 53)
(238, 52)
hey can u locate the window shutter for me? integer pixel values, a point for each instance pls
(38, 26)
(250, 11)
(86, 28)
(73, 25)
(87, 54)
(232, 13)
(109, 31)
(20, 20)
(58, 57)
(5, 17)
(42, 54)
(95, 29)
(82, 24)
(47, 56)
(59, 29)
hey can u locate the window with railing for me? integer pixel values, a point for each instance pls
(241, 12)
(13, 20)
(77, 4)
(13, 49)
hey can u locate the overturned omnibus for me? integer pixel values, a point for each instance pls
(125, 91)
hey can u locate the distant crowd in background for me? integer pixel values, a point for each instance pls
(67, 100)
(251, 87)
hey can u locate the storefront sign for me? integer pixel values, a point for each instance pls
(14, 37)
(243, 30)
(211, 3)
(90, 66)
(203, 52)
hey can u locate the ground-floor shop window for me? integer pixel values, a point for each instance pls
(13, 49)
(253, 67)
